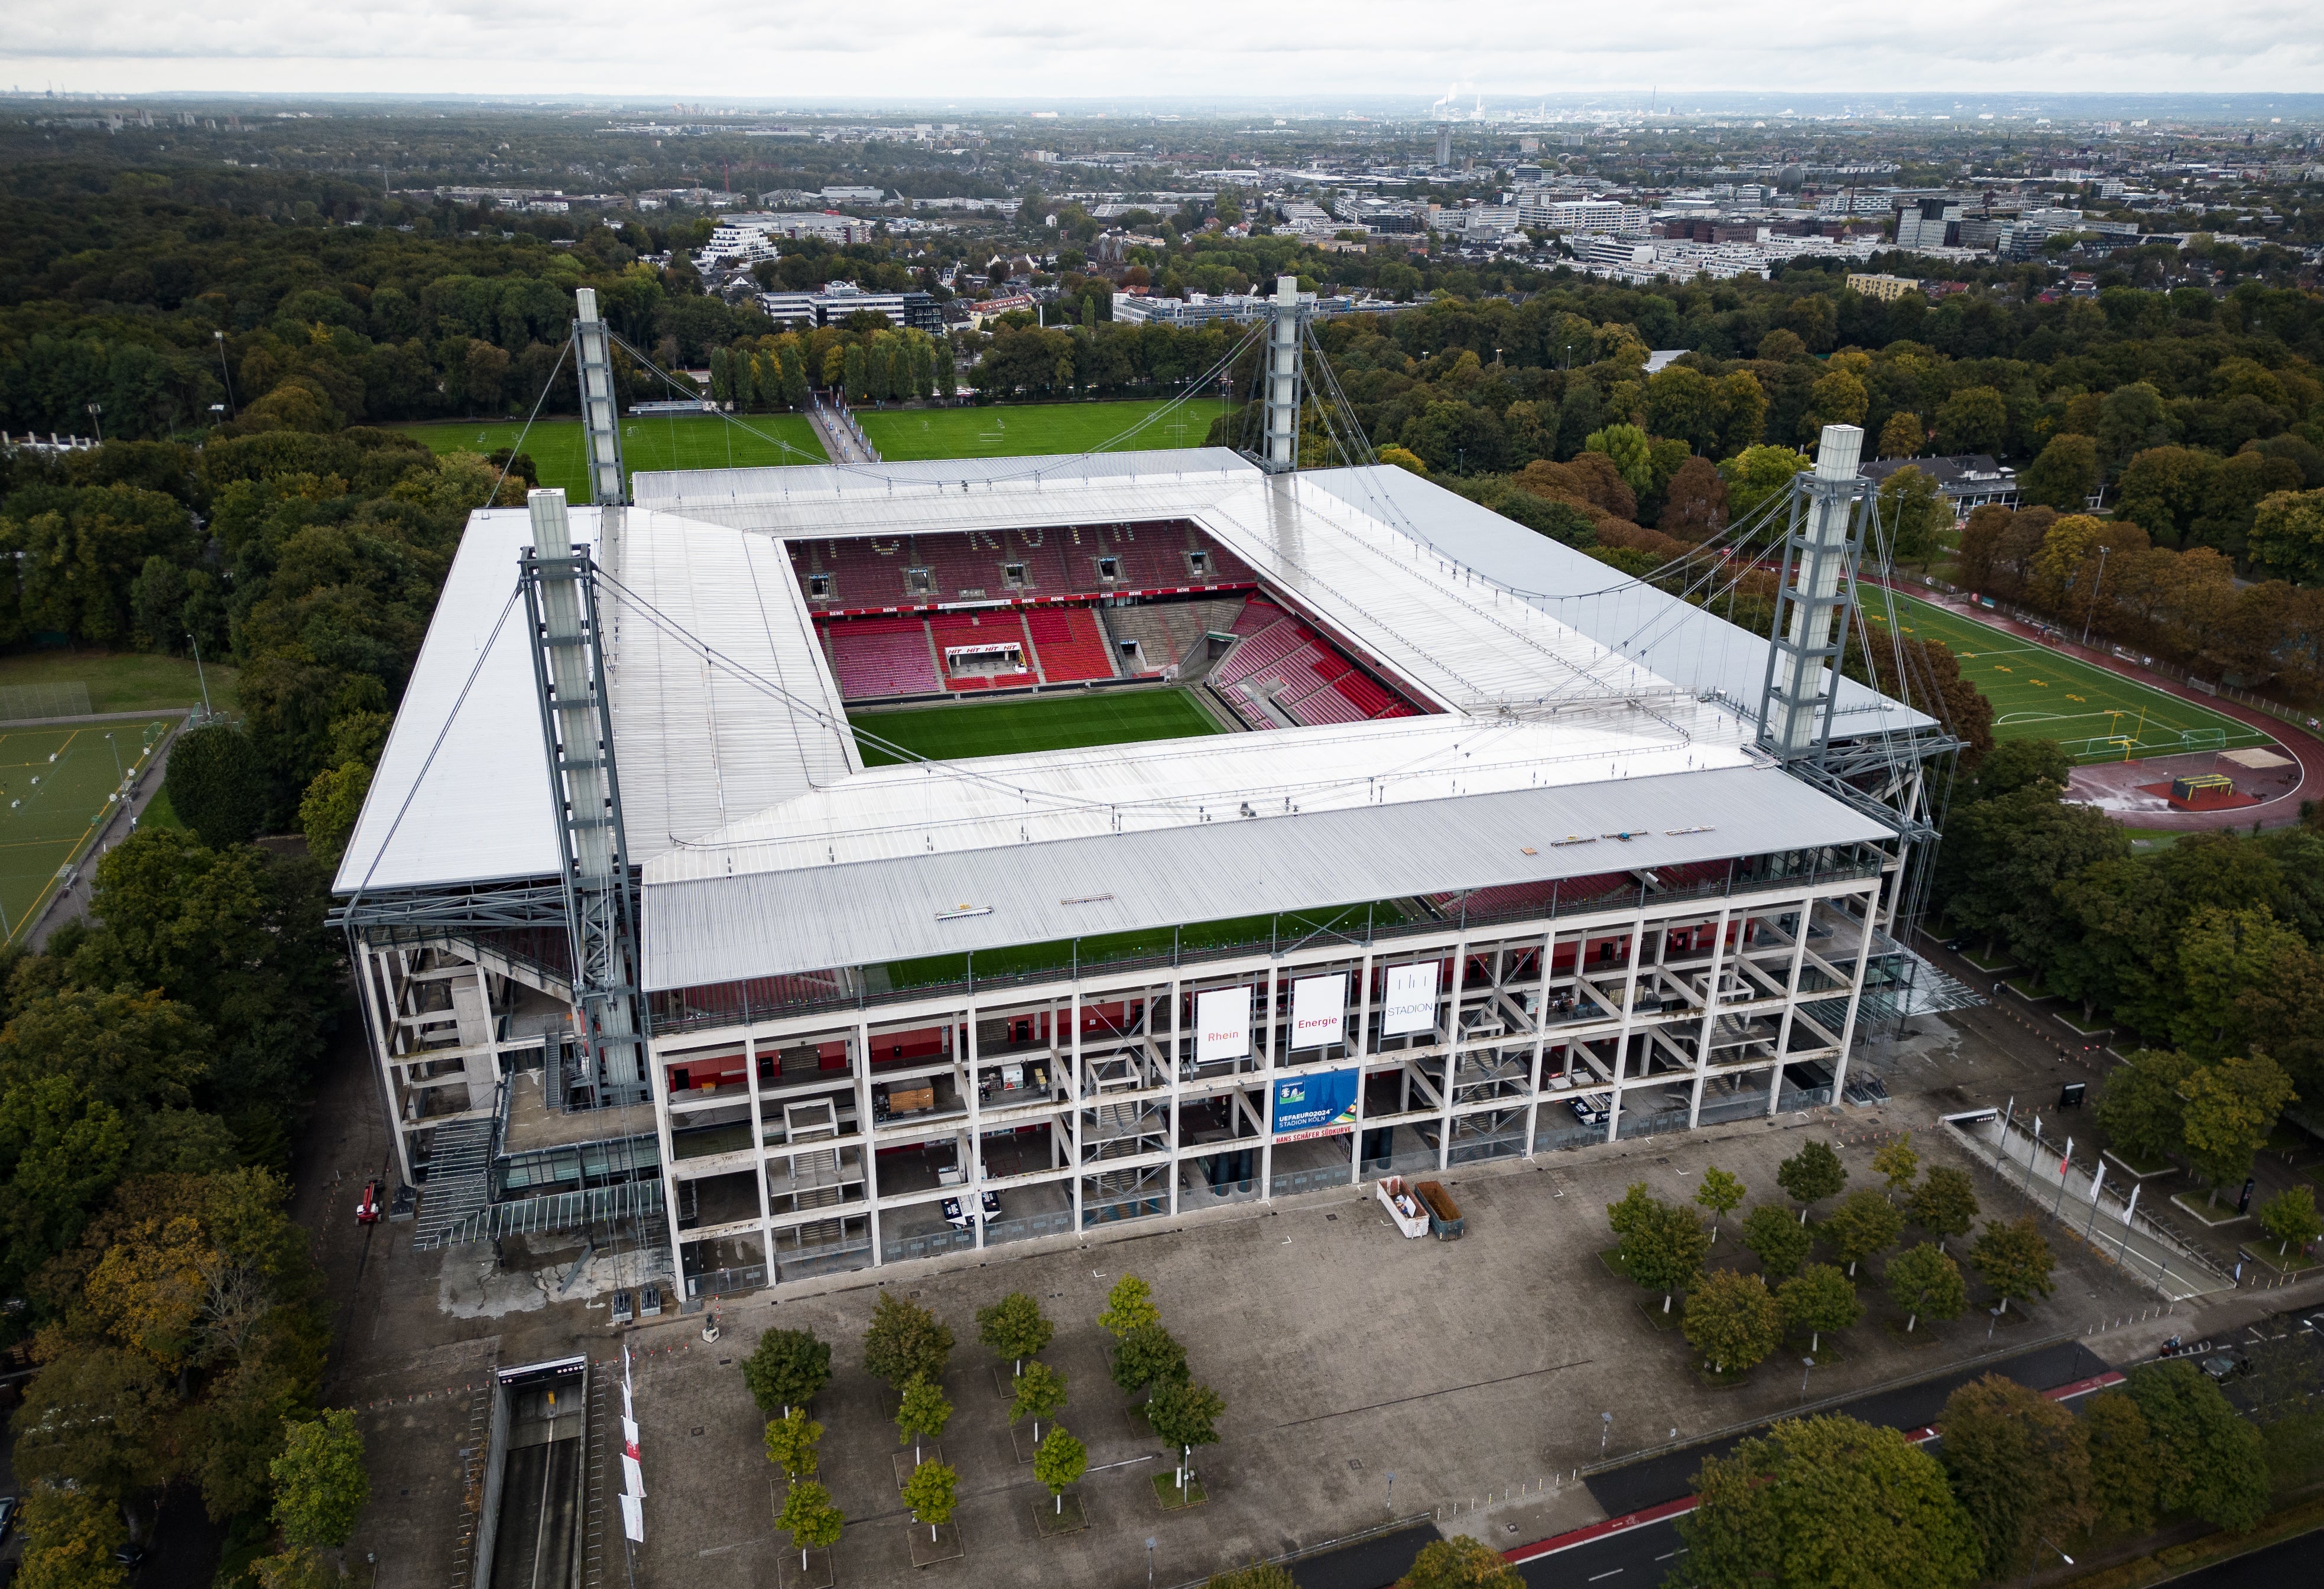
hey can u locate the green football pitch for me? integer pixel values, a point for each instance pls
(1010, 728)
(56, 786)
(2038, 693)
(649, 441)
(909, 434)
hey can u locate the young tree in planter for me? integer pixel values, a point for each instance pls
(1040, 1392)
(2019, 1465)
(1719, 1192)
(1811, 1175)
(2231, 1107)
(1945, 1204)
(1818, 1300)
(1637, 1206)
(1015, 1328)
(791, 1442)
(1664, 1247)
(905, 1342)
(2291, 1218)
(922, 1415)
(932, 1492)
(1148, 1355)
(787, 1368)
(2014, 1260)
(1780, 1242)
(1861, 1225)
(1731, 1321)
(811, 1519)
(1896, 1163)
(1185, 1415)
(1129, 1306)
(1924, 1281)
(1060, 1462)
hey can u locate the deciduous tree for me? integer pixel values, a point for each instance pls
(933, 1493)
(1818, 1299)
(1864, 1223)
(792, 1442)
(1185, 1415)
(1829, 1501)
(1060, 1462)
(1148, 1355)
(1129, 1306)
(2121, 1464)
(787, 1368)
(1040, 1393)
(2290, 1216)
(1719, 1192)
(905, 1342)
(320, 1484)
(1780, 1241)
(1663, 1248)
(69, 1538)
(921, 1413)
(2014, 1260)
(2141, 1107)
(2231, 1107)
(1731, 1321)
(1924, 1282)
(1459, 1562)
(2020, 1467)
(1945, 1203)
(811, 1519)
(2208, 1460)
(1014, 1328)
(1811, 1175)
(1896, 1163)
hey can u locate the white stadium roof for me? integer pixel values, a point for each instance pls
(1564, 689)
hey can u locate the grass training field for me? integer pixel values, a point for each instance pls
(1009, 727)
(55, 785)
(649, 441)
(2038, 693)
(907, 435)
(127, 681)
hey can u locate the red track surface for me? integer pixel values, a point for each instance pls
(2281, 811)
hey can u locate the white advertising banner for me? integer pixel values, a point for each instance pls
(633, 1477)
(633, 1518)
(1319, 1010)
(629, 1432)
(1221, 1024)
(1411, 1003)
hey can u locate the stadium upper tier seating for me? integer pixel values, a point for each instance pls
(1066, 560)
(1069, 643)
(881, 657)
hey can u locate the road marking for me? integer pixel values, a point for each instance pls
(1595, 1577)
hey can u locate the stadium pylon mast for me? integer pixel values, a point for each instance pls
(601, 417)
(569, 669)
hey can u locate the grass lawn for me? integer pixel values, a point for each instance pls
(904, 435)
(2040, 693)
(649, 441)
(1055, 722)
(55, 787)
(125, 681)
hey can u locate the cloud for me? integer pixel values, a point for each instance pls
(788, 53)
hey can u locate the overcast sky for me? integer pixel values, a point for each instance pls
(784, 52)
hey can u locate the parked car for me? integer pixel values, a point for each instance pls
(131, 1556)
(8, 1504)
(2224, 1366)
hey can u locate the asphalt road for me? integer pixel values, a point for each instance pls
(2288, 1563)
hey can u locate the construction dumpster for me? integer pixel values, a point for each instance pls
(1404, 1206)
(1443, 1213)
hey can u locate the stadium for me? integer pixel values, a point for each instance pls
(1460, 846)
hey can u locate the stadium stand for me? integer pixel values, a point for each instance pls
(870, 570)
(881, 657)
(1068, 643)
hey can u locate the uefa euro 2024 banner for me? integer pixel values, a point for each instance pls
(1319, 1105)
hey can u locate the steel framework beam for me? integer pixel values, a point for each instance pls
(568, 666)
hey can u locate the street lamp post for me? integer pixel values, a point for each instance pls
(199, 675)
(1605, 1432)
(2037, 1559)
(1807, 1367)
(96, 418)
(223, 370)
(1994, 1314)
(1149, 1561)
(1391, 1494)
(2092, 611)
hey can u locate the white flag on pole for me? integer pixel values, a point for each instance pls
(633, 1518)
(629, 1433)
(2132, 1207)
(633, 1477)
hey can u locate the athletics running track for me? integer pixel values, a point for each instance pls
(2281, 811)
